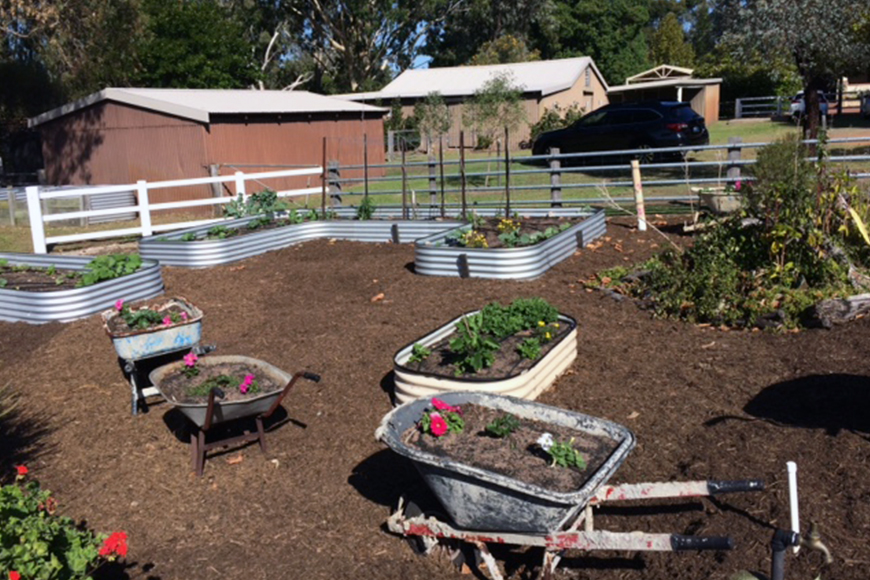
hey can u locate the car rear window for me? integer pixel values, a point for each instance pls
(683, 113)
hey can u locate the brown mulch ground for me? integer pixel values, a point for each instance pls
(702, 402)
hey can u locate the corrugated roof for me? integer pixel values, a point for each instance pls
(543, 76)
(200, 104)
(685, 82)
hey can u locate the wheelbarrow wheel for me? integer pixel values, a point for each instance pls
(420, 545)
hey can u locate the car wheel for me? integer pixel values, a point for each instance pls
(645, 154)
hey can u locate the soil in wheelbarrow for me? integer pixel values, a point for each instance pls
(508, 361)
(228, 377)
(31, 279)
(489, 227)
(517, 455)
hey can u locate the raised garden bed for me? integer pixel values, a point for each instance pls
(32, 292)
(201, 252)
(509, 373)
(440, 255)
(506, 484)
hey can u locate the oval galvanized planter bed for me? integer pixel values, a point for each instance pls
(67, 305)
(478, 499)
(412, 384)
(433, 257)
(169, 249)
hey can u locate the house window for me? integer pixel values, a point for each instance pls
(588, 77)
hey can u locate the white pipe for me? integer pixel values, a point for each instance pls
(793, 500)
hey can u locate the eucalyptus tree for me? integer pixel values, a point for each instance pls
(821, 36)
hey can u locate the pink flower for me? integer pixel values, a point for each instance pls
(249, 379)
(442, 406)
(737, 185)
(167, 321)
(119, 305)
(246, 384)
(243, 389)
(438, 425)
(190, 359)
(184, 315)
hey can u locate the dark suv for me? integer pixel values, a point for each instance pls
(641, 125)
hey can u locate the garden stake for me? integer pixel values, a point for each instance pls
(638, 195)
(441, 163)
(462, 172)
(507, 174)
(323, 187)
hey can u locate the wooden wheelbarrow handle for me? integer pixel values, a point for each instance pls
(303, 374)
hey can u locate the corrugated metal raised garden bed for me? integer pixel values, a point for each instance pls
(192, 248)
(36, 307)
(442, 255)
(521, 377)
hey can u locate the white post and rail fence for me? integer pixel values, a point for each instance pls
(38, 218)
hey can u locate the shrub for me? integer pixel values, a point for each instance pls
(35, 542)
(800, 234)
(556, 118)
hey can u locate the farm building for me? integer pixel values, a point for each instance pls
(671, 83)
(544, 83)
(121, 135)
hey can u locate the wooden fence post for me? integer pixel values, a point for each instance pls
(441, 164)
(404, 187)
(144, 207)
(638, 195)
(433, 182)
(462, 173)
(555, 179)
(366, 166)
(507, 174)
(11, 193)
(214, 170)
(734, 147)
(37, 227)
(323, 182)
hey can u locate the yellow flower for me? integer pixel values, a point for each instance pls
(547, 336)
(541, 323)
(556, 325)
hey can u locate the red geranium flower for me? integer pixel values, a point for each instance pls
(22, 471)
(14, 575)
(115, 545)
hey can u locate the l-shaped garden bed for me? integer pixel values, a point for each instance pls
(193, 248)
(441, 255)
(39, 303)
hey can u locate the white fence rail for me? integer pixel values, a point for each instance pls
(143, 207)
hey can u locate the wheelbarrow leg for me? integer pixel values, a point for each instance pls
(489, 560)
(197, 447)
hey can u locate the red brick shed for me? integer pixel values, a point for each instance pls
(121, 135)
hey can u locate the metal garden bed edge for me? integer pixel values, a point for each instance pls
(432, 257)
(68, 305)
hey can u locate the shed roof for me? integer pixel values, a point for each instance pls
(200, 104)
(543, 76)
(663, 71)
(685, 82)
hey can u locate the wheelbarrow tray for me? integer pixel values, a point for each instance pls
(141, 344)
(479, 499)
(225, 410)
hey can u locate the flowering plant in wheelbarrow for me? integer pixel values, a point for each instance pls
(530, 450)
(153, 329)
(37, 542)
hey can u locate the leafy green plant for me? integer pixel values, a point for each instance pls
(36, 542)
(221, 232)
(225, 382)
(265, 203)
(3, 282)
(503, 426)
(419, 353)
(473, 347)
(562, 453)
(109, 267)
(556, 118)
(366, 209)
(530, 348)
(51, 270)
(188, 237)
